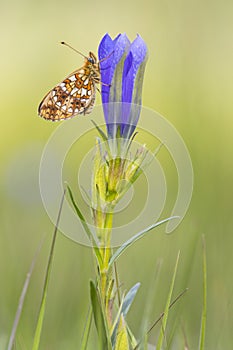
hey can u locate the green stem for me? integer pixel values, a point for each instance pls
(105, 280)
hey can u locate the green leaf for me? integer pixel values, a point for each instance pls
(80, 215)
(204, 309)
(131, 338)
(36, 340)
(129, 298)
(99, 318)
(99, 182)
(167, 307)
(122, 336)
(86, 331)
(133, 239)
(116, 323)
(129, 144)
(122, 311)
(100, 131)
(103, 136)
(85, 226)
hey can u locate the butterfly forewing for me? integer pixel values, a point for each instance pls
(74, 95)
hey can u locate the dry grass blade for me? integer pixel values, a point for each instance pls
(161, 316)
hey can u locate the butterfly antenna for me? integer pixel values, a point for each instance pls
(72, 48)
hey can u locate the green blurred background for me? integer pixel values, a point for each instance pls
(189, 80)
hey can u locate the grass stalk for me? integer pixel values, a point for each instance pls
(40, 320)
(204, 309)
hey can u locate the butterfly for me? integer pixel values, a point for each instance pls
(75, 94)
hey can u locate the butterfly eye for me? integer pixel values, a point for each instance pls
(91, 60)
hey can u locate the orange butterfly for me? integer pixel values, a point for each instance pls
(75, 94)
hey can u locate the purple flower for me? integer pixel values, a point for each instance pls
(122, 66)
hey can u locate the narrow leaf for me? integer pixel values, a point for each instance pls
(166, 311)
(85, 226)
(99, 318)
(131, 338)
(100, 131)
(39, 325)
(104, 138)
(117, 284)
(136, 237)
(129, 298)
(122, 311)
(80, 215)
(21, 300)
(129, 145)
(86, 331)
(122, 336)
(204, 309)
(116, 324)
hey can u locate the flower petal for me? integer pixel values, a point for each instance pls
(122, 69)
(111, 77)
(132, 80)
(110, 54)
(136, 56)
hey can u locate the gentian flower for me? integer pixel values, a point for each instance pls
(122, 66)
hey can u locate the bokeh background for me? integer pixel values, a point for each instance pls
(189, 80)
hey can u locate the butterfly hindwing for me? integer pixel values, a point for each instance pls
(74, 95)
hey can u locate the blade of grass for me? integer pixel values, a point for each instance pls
(133, 239)
(86, 331)
(152, 290)
(186, 346)
(204, 309)
(22, 298)
(167, 307)
(36, 340)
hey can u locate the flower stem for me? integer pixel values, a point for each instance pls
(105, 279)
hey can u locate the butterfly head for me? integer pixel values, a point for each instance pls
(92, 58)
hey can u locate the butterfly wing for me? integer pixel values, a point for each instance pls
(74, 95)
